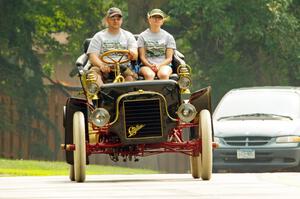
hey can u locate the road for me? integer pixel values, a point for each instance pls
(241, 186)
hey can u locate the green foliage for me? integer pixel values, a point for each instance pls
(79, 20)
(228, 43)
(29, 50)
(239, 43)
(20, 70)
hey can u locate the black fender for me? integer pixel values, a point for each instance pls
(73, 105)
(201, 99)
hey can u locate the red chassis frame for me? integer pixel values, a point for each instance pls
(175, 144)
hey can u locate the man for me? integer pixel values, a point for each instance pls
(111, 38)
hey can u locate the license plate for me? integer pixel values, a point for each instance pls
(245, 154)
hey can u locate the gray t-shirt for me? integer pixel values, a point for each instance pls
(156, 44)
(104, 41)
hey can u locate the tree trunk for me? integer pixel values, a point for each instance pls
(137, 13)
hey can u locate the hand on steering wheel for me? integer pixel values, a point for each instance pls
(108, 59)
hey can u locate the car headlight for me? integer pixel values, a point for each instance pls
(288, 139)
(100, 117)
(184, 82)
(186, 112)
(92, 88)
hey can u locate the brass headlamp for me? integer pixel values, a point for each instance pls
(89, 81)
(185, 80)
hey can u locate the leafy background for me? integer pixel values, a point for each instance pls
(228, 44)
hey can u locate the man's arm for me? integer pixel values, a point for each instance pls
(133, 54)
(132, 47)
(95, 61)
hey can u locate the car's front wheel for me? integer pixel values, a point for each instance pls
(80, 147)
(201, 165)
(206, 135)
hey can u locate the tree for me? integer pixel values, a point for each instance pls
(239, 43)
(228, 43)
(26, 30)
(137, 13)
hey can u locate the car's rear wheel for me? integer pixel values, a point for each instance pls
(71, 173)
(206, 134)
(80, 146)
(195, 163)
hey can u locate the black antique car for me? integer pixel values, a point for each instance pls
(128, 120)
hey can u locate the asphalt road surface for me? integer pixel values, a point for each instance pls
(241, 186)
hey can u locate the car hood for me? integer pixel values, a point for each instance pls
(272, 128)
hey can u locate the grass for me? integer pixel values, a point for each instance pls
(47, 168)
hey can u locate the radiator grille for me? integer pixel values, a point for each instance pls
(144, 115)
(247, 141)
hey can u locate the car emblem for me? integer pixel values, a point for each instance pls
(133, 130)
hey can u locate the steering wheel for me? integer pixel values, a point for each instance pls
(105, 57)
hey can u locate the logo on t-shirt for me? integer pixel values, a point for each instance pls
(155, 48)
(114, 45)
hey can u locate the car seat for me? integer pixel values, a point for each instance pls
(82, 61)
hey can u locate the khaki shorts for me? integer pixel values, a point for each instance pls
(109, 77)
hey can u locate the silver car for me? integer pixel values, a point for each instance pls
(258, 129)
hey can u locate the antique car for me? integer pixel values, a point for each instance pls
(129, 120)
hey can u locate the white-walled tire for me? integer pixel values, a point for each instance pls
(195, 164)
(206, 135)
(71, 173)
(80, 146)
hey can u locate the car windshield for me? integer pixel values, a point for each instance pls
(259, 104)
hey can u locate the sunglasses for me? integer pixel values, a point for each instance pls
(157, 17)
(117, 18)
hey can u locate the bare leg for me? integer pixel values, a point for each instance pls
(129, 79)
(147, 73)
(164, 72)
